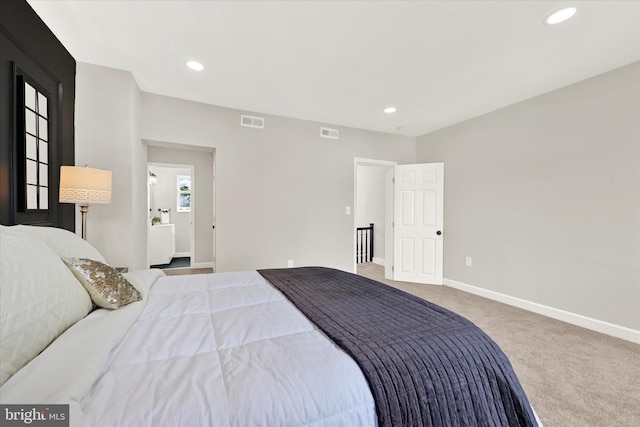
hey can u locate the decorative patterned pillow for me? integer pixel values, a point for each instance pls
(106, 286)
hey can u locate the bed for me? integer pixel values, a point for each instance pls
(283, 347)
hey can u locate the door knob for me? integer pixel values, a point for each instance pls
(438, 232)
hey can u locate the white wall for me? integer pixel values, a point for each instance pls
(544, 195)
(138, 210)
(370, 200)
(106, 134)
(281, 191)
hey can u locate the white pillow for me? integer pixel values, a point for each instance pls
(39, 299)
(63, 242)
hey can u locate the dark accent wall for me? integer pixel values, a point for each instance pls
(28, 46)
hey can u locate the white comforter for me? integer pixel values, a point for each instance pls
(212, 350)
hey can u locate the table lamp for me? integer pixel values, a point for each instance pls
(84, 185)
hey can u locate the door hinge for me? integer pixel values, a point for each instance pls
(392, 268)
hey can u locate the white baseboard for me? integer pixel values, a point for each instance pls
(565, 316)
(182, 254)
(378, 261)
(202, 265)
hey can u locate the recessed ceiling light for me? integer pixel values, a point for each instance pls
(390, 110)
(194, 65)
(561, 15)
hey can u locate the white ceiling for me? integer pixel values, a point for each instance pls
(342, 62)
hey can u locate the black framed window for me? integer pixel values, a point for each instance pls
(35, 143)
(37, 96)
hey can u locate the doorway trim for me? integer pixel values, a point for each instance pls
(388, 203)
(202, 183)
(193, 202)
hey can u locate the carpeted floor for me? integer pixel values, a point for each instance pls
(572, 376)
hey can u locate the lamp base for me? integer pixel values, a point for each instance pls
(84, 208)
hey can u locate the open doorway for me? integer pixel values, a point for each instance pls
(373, 204)
(413, 240)
(199, 197)
(171, 201)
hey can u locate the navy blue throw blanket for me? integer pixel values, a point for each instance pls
(425, 365)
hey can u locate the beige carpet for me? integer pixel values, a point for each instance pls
(572, 376)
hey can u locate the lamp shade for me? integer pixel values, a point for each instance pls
(84, 185)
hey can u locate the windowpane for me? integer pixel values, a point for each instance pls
(29, 96)
(185, 200)
(32, 173)
(30, 121)
(42, 105)
(44, 198)
(32, 152)
(43, 128)
(44, 152)
(184, 193)
(184, 183)
(32, 197)
(44, 174)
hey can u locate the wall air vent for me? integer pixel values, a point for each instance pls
(252, 121)
(329, 133)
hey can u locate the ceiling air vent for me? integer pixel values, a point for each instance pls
(329, 133)
(252, 121)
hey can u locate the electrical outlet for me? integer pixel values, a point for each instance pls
(468, 262)
(290, 263)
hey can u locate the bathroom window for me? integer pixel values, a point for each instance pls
(184, 193)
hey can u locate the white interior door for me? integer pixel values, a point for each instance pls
(418, 216)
